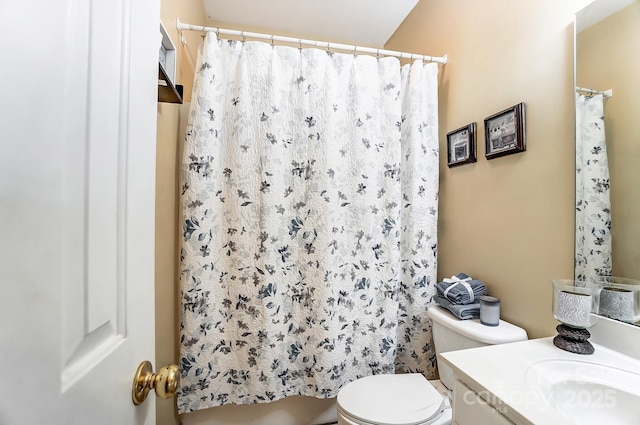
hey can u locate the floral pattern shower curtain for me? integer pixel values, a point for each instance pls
(309, 208)
(593, 205)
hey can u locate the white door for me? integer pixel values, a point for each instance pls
(78, 87)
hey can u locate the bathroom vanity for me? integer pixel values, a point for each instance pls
(534, 382)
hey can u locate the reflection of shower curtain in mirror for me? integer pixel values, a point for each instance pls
(593, 206)
(310, 203)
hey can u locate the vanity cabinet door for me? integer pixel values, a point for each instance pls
(471, 409)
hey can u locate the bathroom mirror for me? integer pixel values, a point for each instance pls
(607, 60)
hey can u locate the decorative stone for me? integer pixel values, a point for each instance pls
(573, 340)
(573, 333)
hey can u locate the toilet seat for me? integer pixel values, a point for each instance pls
(403, 399)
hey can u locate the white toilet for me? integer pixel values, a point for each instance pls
(409, 399)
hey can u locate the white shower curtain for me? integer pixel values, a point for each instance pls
(593, 205)
(309, 207)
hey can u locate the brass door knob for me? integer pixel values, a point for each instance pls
(165, 382)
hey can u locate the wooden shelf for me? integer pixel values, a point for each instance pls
(168, 92)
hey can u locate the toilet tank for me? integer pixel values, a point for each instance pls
(451, 333)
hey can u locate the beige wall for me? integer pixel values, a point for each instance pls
(608, 57)
(166, 250)
(508, 221)
(167, 229)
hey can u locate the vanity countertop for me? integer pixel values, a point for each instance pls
(498, 373)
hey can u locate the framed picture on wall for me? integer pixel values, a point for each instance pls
(504, 132)
(461, 145)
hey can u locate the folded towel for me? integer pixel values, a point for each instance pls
(461, 289)
(466, 311)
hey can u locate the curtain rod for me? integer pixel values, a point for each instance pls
(324, 44)
(605, 93)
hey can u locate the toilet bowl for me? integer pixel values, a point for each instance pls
(409, 399)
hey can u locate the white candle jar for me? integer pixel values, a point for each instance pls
(489, 310)
(573, 305)
(621, 302)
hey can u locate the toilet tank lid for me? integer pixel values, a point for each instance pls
(472, 328)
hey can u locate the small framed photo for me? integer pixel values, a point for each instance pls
(504, 132)
(461, 146)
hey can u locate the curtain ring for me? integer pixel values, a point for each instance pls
(378, 53)
(300, 44)
(243, 37)
(355, 51)
(272, 42)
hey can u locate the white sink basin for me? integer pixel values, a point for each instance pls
(587, 393)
